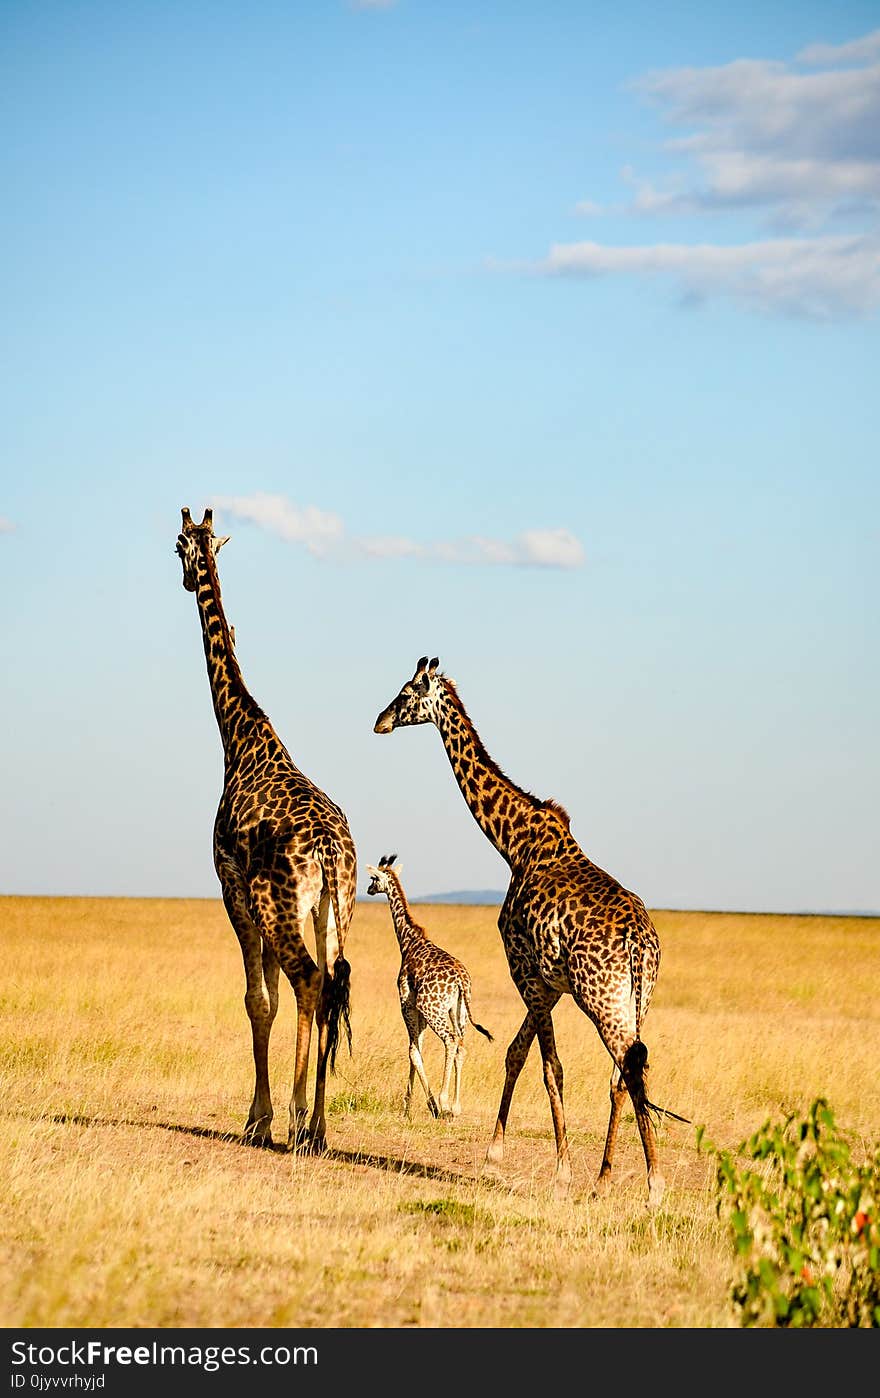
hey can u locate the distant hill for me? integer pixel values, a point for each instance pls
(493, 897)
(496, 896)
(465, 895)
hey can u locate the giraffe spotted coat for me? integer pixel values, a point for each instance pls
(567, 927)
(435, 993)
(285, 859)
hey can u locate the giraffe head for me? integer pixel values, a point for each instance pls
(379, 879)
(416, 702)
(190, 541)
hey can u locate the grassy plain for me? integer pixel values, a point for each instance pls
(125, 1079)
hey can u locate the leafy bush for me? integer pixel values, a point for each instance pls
(803, 1224)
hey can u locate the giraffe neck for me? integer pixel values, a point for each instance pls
(238, 714)
(407, 931)
(508, 816)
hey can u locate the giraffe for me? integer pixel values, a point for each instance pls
(567, 927)
(435, 992)
(282, 851)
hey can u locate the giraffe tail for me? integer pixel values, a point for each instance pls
(479, 1027)
(339, 985)
(339, 1016)
(637, 1054)
(636, 1059)
(664, 1111)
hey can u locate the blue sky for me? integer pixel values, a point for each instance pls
(542, 338)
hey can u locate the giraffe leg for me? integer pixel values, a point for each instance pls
(407, 1099)
(261, 1001)
(459, 1020)
(515, 1060)
(417, 1066)
(450, 1054)
(553, 1079)
(283, 928)
(411, 1018)
(458, 1065)
(307, 992)
(327, 947)
(632, 1055)
(618, 1092)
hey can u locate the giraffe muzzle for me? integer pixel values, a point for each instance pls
(385, 722)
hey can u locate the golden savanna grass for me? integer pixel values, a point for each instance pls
(127, 1076)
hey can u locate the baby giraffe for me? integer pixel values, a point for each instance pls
(434, 990)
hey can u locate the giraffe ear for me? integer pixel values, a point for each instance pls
(372, 870)
(218, 543)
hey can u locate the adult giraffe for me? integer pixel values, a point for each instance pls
(283, 852)
(567, 928)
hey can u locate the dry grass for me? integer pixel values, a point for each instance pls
(126, 1078)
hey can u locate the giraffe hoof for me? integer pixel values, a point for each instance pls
(656, 1188)
(316, 1144)
(492, 1172)
(258, 1136)
(601, 1187)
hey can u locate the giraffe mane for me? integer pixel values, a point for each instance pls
(559, 811)
(228, 631)
(490, 762)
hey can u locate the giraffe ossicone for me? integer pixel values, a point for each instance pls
(434, 989)
(285, 858)
(567, 927)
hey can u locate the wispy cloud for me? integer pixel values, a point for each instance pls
(801, 147)
(323, 534)
(6, 526)
(864, 50)
(819, 277)
(317, 530)
(797, 150)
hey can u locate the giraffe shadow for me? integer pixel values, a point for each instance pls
(395, 1165)
(203, 1133)
(392, 1164)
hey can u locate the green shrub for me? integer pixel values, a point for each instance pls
(803, 1224)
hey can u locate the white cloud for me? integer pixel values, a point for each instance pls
(478, 549)
(819, 277)
(389, 546)
(798, 150)
(317, 529)
(534, 548)
(862, 50)
(764, 133)
(550, 548)
(324, 535)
